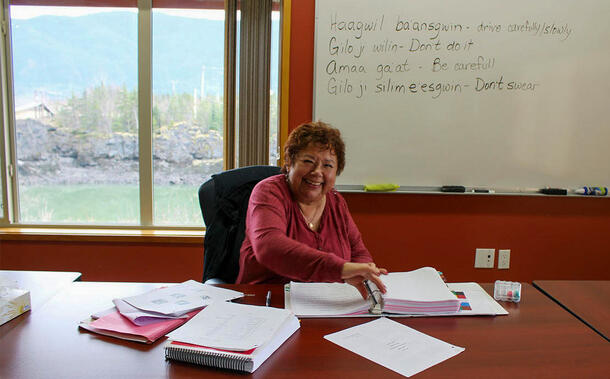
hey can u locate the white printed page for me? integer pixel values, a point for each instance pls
(424, 284)
(326, 299)
(394, 346)
(231, 326)
(182, 298)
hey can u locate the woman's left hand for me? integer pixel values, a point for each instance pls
(356, 273)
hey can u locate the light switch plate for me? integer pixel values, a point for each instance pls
(484, 258)
(503, 259)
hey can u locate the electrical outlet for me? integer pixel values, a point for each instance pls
(504, 258)
(484, 258)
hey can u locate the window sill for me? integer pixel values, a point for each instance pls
(103, 235)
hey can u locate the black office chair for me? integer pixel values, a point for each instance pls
(224, 201)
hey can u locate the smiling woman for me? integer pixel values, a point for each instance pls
(298, 227)
(315, 155)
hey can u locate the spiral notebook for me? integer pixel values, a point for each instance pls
(231, 336)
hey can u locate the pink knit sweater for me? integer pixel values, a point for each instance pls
(279, 246)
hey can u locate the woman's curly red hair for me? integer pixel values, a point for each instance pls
(316, 133)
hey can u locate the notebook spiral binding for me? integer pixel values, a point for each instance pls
(209, 358)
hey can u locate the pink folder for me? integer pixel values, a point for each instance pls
(115, 325)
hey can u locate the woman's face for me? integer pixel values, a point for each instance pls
(312, 174)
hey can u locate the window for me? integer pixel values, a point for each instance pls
(187, 115)
(117, 109)
(75, 95)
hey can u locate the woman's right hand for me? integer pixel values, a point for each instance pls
(356, 273)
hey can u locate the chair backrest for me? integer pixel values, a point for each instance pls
(224, 202)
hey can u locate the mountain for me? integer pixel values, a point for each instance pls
(65, 55)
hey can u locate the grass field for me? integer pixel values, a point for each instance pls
(175, 205)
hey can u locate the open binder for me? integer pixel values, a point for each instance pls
(420, 292)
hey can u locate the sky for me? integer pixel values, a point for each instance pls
(27, 11)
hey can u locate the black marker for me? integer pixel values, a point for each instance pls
(453, 189)
(553, 191)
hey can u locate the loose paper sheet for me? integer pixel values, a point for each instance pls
(181, 298)
(140, 317)
(394, 346)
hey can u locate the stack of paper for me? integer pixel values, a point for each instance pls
(147, 317)
(421, 291)
(13, 302)
(231, 336)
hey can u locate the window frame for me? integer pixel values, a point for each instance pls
(9, 216)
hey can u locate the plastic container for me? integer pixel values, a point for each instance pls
(507, 291)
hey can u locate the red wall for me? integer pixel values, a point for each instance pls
(107, 261)
(549, 237)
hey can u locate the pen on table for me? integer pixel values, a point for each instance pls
(268, 299)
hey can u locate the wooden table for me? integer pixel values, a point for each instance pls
(41, 284)
(538, 339)
(588, 300)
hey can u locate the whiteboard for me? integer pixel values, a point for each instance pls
(492, 93)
